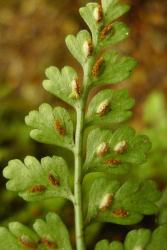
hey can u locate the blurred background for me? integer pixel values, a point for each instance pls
(32, 34)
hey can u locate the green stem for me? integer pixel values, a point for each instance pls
(79, 231)
(78, 178)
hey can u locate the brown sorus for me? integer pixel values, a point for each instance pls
(48, 243)
(89, 48)
(120, 212)
(77, 86)
(26, 242)
(59, 128)
(103, 111)
(112, 161)
(54, 181)
(102, 149)
(106, 202)
(105, 31)
(121, 147)
(37, 189)
(97, 66)
(98, 13)
(103, 108)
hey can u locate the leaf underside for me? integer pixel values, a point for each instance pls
(51, 126)
(138, 240)
(111, 201)
(111, 151)
(111, 10)
(110, 159)
(48, 234)
(118, 103)
(36, 181)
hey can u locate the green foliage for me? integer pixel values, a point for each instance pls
(139, 239)
(49, 234)
(35, 181)
(52, 126)
(114, 68)
(116, 105)
(96, 20)
(104, 244)
(61, 83)
(114, 151)
(162, 204)
(111, 201)
(113, 9)
(110, 150)
(78, 45)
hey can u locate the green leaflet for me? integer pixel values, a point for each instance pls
(158, 240)
(99, 188)
(51, 234)
(80, 46)
(110, 201)
(138, 240)
(119, 31)
(90, 15)
(142, 239)
(51, 125)
(112, 68)
(63, 84)
(97, 19)
(162, 204)
(104, 245)
(113, 9)
(109, 106)
(55, 230)
(162, 217)
(10, 241)
(114, 151)
(35, 181)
